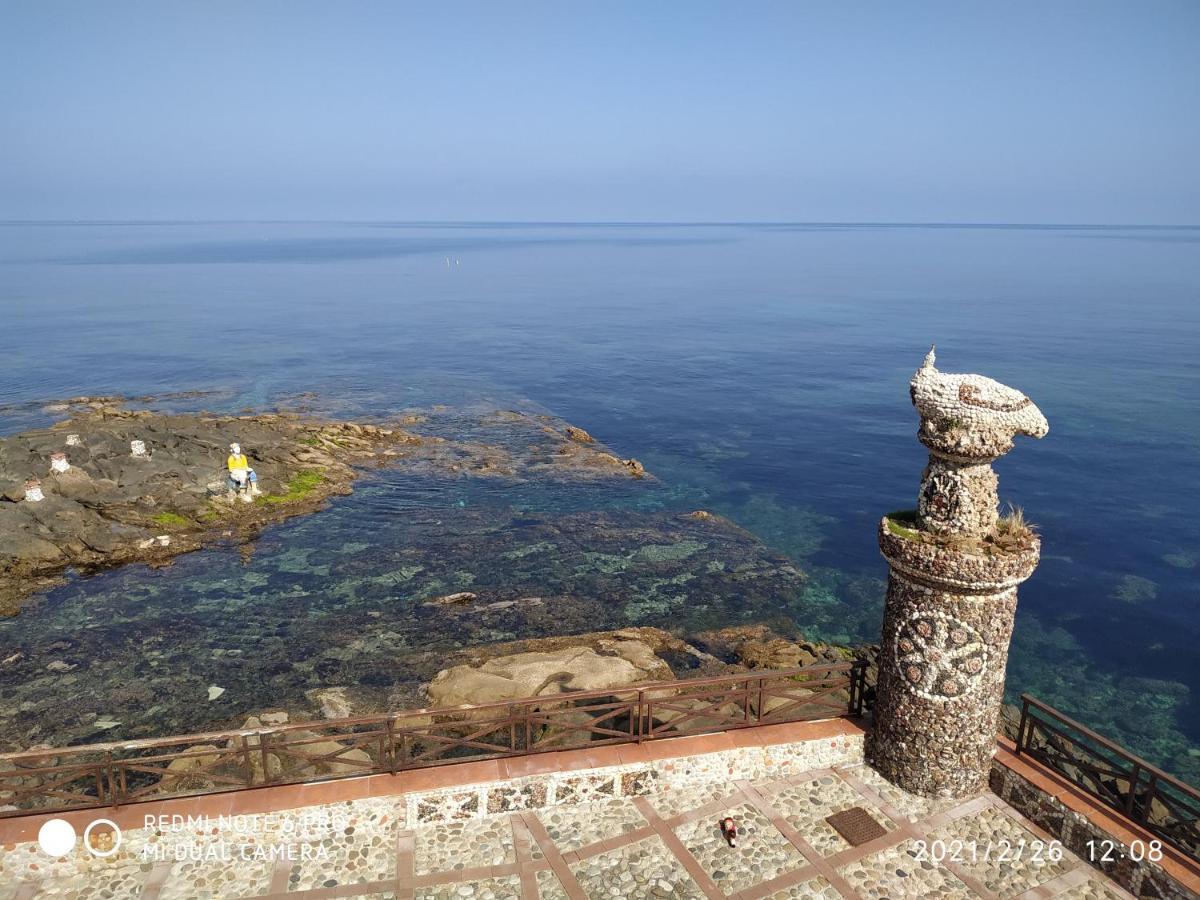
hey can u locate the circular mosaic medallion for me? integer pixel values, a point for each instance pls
(939, 657)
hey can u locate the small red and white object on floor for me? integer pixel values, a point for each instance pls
(729, 830)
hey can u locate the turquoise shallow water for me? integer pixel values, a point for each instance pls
(759, 371)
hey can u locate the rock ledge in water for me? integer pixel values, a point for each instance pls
(110, 485)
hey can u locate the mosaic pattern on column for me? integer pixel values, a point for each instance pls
(952, 591)
(942, 658)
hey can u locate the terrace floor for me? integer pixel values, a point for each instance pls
(662, 843)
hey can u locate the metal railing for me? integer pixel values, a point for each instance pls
(1145, 794)
(117, 773)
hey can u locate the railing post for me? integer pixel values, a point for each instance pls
(249, 766)
(262, 746)
(99, 772)
(1135, 775)
(1147, 808)
(641, 715)
(123, 790)
(862, 687)
(528, 727)
(114, 792)
(1024, 724)
(758, 713)
(858, 679)
(391, 745)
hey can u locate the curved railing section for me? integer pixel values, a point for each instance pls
(1144, 794)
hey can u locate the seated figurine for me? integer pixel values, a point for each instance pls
(242, 479)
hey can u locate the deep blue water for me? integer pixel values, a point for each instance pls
(760, 371)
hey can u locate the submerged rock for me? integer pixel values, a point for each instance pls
(459, 599)
(332, 702)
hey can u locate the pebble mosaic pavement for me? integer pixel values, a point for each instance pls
(664, 845)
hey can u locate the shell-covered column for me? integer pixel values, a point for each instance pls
(954, 567)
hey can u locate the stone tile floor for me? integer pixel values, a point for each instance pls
(664, 845)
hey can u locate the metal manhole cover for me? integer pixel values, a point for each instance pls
(856, 825)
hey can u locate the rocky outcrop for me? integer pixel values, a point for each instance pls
(658, 648)
(622, 659)
(542, 674)
(597, 662)
(761, 647)
(111, 485)
(578, 434)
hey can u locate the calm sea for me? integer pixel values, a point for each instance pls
(758, 370)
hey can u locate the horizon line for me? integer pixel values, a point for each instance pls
(662, 223)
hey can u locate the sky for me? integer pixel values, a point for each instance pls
(1036, 112)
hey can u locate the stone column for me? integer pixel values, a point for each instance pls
(954, 568)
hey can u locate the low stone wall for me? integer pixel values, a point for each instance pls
(636, 779)
(1074, 829)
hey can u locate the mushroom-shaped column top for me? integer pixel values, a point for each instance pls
(971, 418)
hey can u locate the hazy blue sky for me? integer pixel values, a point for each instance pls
(969, 111)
